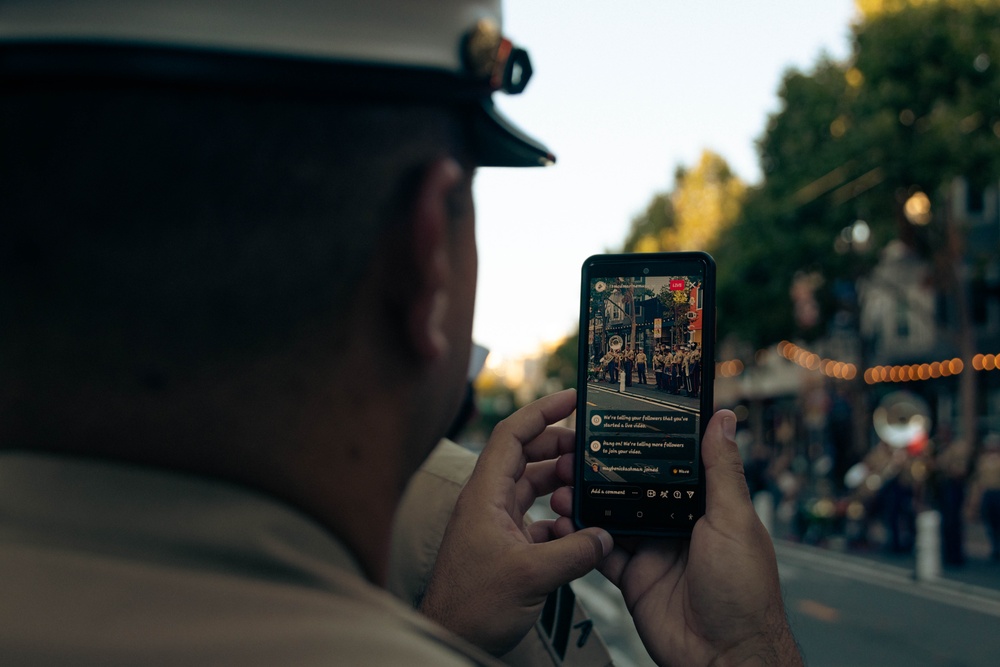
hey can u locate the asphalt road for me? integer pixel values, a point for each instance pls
(638, 397)
(848, 611)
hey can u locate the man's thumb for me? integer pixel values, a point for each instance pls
(727, 487)
(572, 556)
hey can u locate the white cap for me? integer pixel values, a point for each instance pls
(420, 49)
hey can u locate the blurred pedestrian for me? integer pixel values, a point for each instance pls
(984, 492)
(893, 501)
(951, 470)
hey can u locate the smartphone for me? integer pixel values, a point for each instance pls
(644, 391)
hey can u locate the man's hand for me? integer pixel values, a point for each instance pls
(716, 599)
(493, 572)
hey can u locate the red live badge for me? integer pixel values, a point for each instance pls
(676, 285)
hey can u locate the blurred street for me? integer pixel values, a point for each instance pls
(851, 608)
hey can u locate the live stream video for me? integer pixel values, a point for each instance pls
(643, 388)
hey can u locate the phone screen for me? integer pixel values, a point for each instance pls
(646, 374)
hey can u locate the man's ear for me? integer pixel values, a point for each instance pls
(432, 257)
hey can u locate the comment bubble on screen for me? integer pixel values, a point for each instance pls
(642, 421)
(677, 448)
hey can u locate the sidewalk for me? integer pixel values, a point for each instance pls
(978, 571)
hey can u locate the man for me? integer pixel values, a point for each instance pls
(984, 491)
(670, 369)
(694, 371)
(640, 366)
(608, 362)
(215, 214)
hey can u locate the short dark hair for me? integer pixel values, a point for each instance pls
(202, 220)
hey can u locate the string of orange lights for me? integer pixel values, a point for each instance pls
(847, 371)
(812, 361)
(729, 369)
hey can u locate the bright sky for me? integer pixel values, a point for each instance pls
(623, 92)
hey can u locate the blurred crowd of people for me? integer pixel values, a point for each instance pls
(876, 504)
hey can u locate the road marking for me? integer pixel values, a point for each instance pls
(966, 596)
(818, 610)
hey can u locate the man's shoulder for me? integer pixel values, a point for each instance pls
(422, 516)
(186, 571)
(129, 614)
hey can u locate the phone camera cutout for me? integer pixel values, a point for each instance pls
(645, 271)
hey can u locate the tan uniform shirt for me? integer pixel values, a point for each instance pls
(108, 564)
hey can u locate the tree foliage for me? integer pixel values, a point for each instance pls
(561, 363)
(704, 203)
(916, 105)
(874, 8)
(707, 201)
(788, 223)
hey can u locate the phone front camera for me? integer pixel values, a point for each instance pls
(645, 271)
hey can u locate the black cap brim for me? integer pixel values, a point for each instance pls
(500, 144)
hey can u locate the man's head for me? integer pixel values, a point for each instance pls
(239, 237)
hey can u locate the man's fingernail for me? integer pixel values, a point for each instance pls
(607, 542)
(729, 427)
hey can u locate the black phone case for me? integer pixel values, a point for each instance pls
(631, 264)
